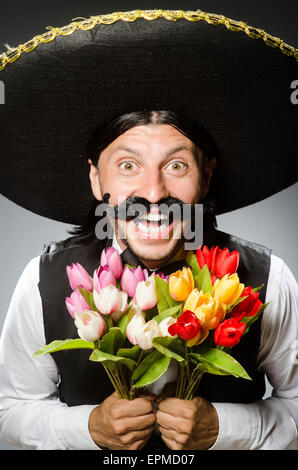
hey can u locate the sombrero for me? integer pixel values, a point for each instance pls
(234, 79)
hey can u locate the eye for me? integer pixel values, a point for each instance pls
(127, 166)
(177, 166)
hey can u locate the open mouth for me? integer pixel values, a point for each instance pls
(153, 225)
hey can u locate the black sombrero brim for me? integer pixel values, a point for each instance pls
(61, 86)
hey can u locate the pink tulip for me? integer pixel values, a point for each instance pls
(162, 276)
(130, 279)
(76, 303)
(78, 277)
(111, 257)
(90, 325)
(146, 296)
(103, 277)
(110, 299)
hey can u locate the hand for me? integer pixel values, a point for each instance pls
(120, 424)
(187, 424)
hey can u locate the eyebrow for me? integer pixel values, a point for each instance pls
(171, 152)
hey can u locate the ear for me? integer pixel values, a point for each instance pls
(94, 181)
(206, 176)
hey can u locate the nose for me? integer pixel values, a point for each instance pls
(153, 186)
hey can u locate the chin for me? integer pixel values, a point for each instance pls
(158, 246)
(154, 250)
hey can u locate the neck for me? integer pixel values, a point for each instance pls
(178, 254)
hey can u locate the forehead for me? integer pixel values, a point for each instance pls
(153, 135)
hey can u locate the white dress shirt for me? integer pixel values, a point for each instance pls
(33, 417)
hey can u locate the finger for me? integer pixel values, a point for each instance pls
(172, 422)
(138, 423)
(137, 445)
(131, 408)
(174, 436)
(176, 407)
(171, 405)
(171, 444)
(135, 436)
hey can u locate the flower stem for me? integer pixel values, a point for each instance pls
(112, 378)
(182, 379)
(193, 384)
(121, 384)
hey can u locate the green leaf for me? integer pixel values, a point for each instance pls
(169, 312)
(129, 265)
(191, 259)
(130, 353)
(110, 359)
(170, 347)
(203, 281)
(164, 299)
(256, 289)
(63, 345)
(218, 362)
(88, 296)
(111, 341)
(150, 369)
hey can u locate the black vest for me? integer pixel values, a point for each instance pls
(86, 382)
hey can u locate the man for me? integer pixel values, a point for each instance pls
(153, 158)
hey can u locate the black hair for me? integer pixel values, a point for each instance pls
(109, 131)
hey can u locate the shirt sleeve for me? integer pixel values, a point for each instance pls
(271, 423)
(31, 414)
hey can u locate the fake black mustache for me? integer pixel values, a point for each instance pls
(136, 206)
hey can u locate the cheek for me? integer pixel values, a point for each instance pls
(109, 184)
(188, 191)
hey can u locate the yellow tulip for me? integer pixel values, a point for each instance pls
(181, 283)
(199, 338)
(228, 289)
(209, 310)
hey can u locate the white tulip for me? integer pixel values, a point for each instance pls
(110, 299)
(135, 326)
(146, 334)
(90, 325)
(145, 296)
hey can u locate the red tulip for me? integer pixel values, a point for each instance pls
(186, 327)
(219, 262)
(225, 262)
(228, 333)
(249, 306)
(204, 256)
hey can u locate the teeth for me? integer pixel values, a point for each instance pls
(149, 229)
(155, 217)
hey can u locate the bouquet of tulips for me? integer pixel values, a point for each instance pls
(135, 324)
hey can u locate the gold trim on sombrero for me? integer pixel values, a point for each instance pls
(171, 15)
